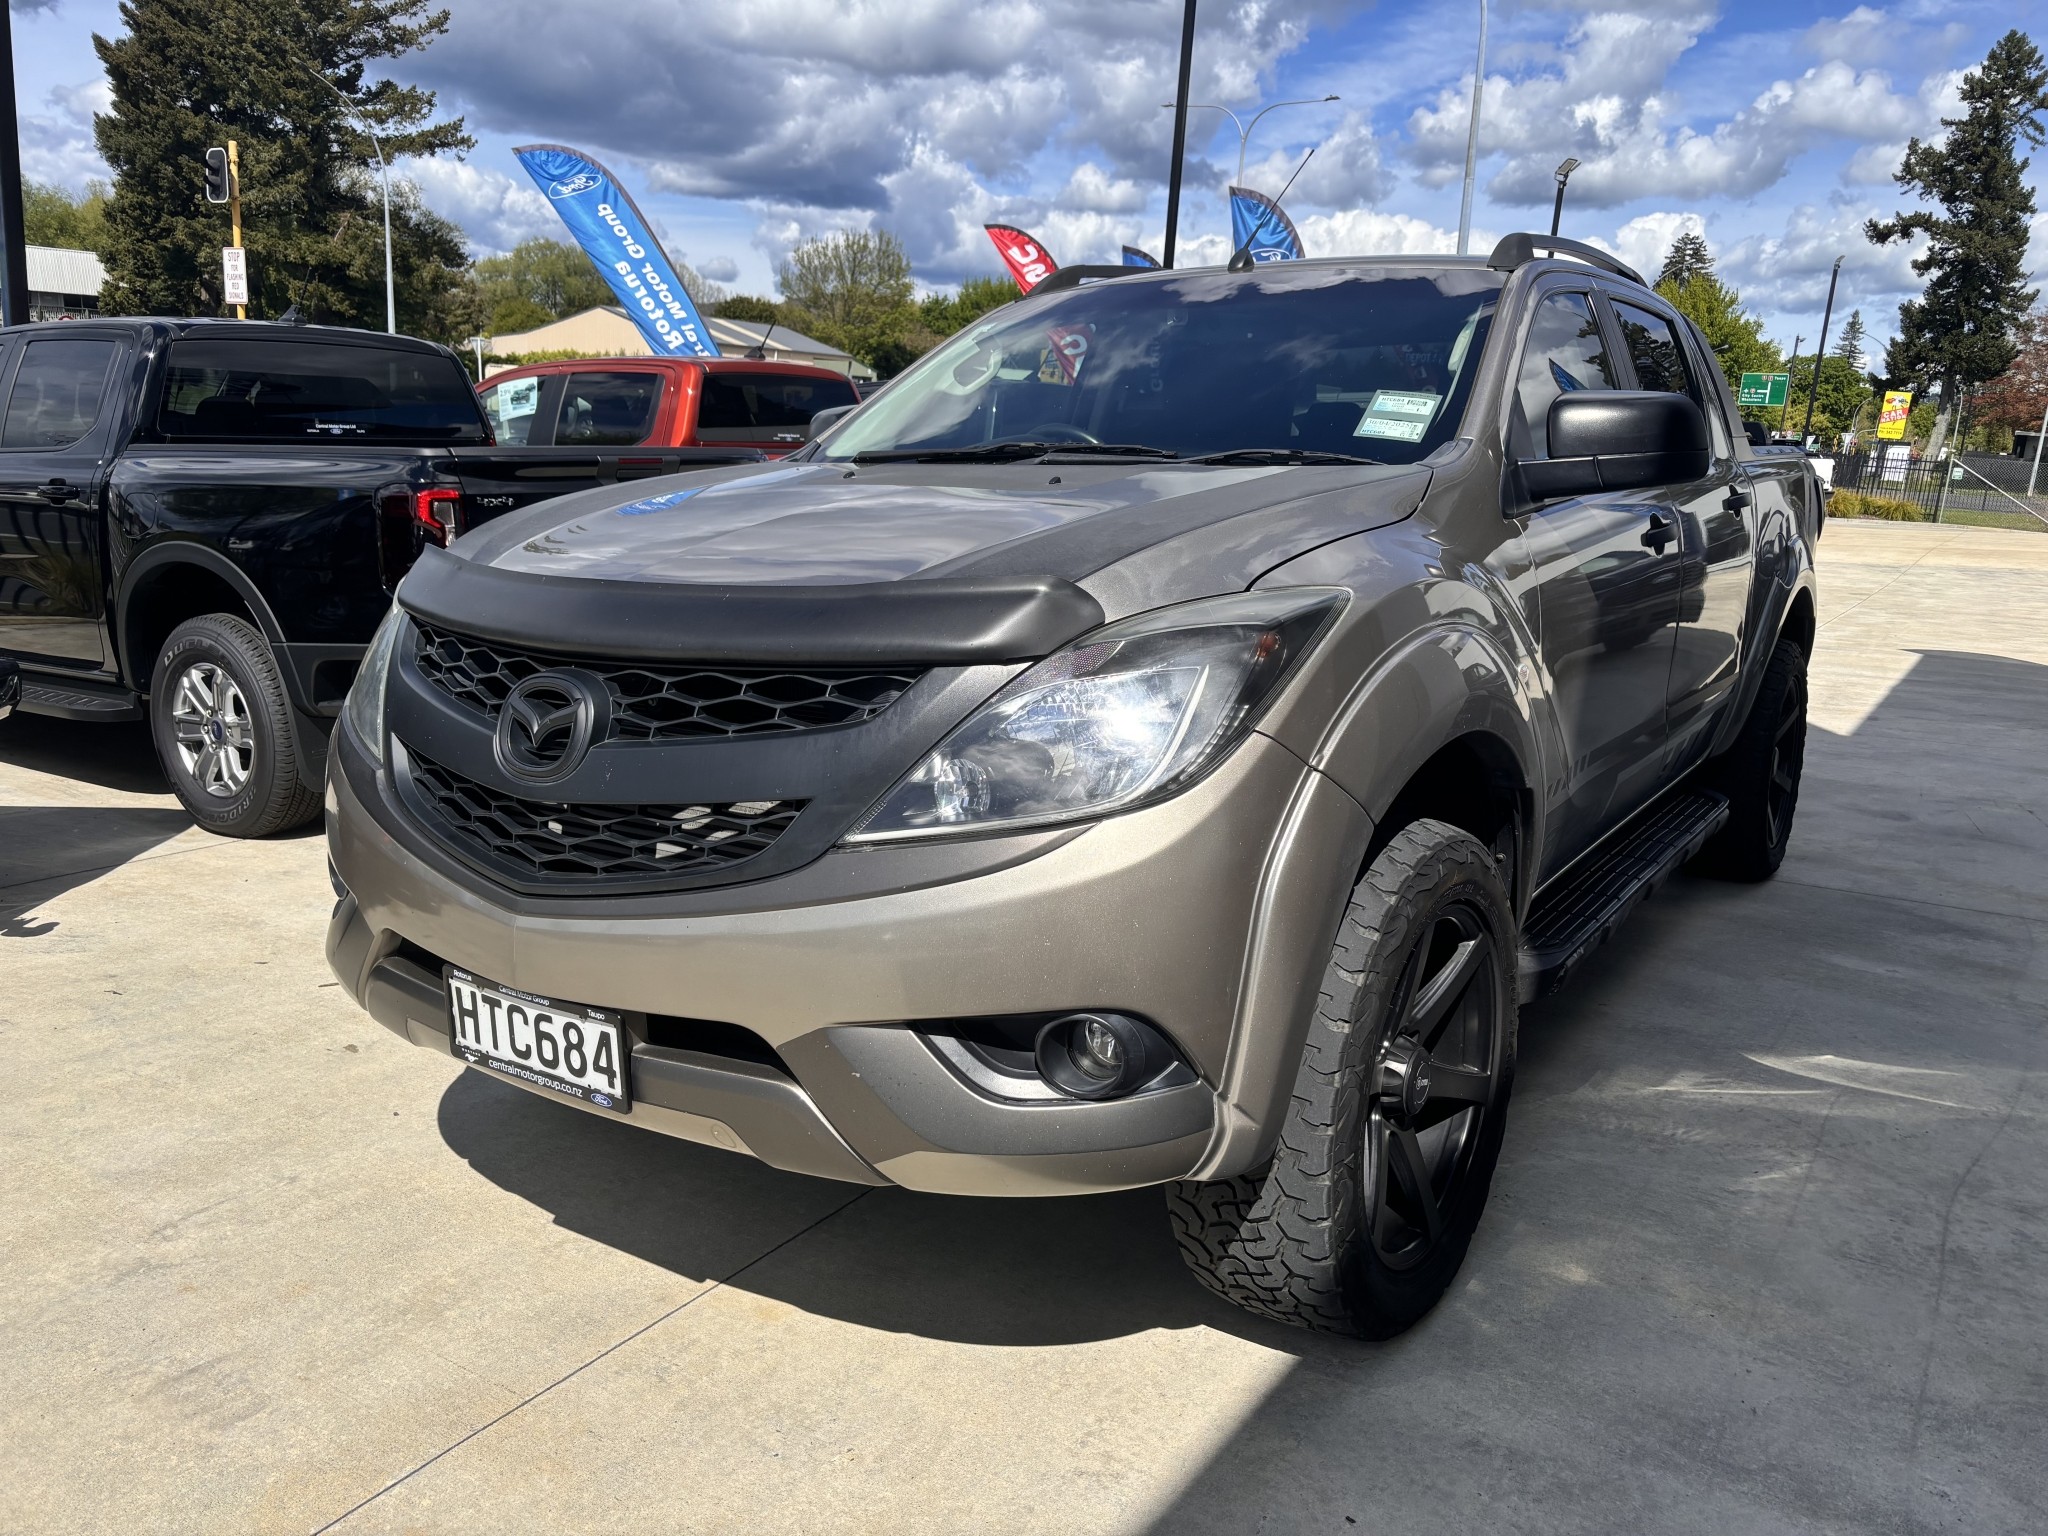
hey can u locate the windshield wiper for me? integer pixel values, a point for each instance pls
(1280, 456)
(1066, 451)
(986, 453)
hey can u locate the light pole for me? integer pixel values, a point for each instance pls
(1180, 128)
(1244, 129)
(384, 170)
(1820, 353)
(1564, 174)
(1472, 138)
(1785, 414)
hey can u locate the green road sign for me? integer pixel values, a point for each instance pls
(1763, 389)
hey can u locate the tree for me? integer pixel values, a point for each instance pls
(2018, 397)
(853, 290)
(189, 74)
(1687, 259)
(1960, 331)
(1852, 342)
(53, 215)
(1843, 390)
(943, 313)
(747, 306)
(1736, 336)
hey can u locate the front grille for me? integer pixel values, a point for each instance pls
(596, 842)
(657, 701)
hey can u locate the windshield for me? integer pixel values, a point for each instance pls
(1367, 362)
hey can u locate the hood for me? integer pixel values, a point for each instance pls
(704, 559)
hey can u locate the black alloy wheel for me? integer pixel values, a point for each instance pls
(1433, 1085)
(1760, 774)
(1387, 1147)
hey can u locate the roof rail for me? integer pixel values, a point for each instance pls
(1074, 277)
(1519, 250)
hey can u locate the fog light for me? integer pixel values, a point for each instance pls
(1100, 1055)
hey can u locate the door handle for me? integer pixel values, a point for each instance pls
(1658, 534)
(56, 490)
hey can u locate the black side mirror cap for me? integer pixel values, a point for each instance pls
(1758, 434)
(1619, 440)
(826, 418)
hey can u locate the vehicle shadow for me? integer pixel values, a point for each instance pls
(118, 757)
(46, 850)
(999, 1272)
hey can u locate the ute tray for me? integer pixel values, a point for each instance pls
(1575, 917)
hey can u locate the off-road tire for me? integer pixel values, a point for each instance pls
(269, 796)
(1294, 1241)
(1760, 775)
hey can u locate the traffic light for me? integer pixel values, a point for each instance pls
(217, 186)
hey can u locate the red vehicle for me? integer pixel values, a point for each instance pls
(662, 402)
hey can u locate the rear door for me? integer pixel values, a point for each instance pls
(1607, 592)
(769, 411)
(1716, 550)
(54, 438)
(609, 408)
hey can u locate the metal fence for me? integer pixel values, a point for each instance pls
(1970, 487)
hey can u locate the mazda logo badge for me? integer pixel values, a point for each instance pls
(548, 723)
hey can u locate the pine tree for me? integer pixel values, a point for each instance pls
(189, 74)
(1852, 344)
(1736, 336)
(1687, 259)
(1960, 331)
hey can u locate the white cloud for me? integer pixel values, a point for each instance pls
(57, 145)
(495, 210)
(1091, 188)
(1787, 272)
(720, 269)
(1645, 240)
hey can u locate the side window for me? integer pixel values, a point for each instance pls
(742, 407)
(57, 393)
(1565, 351)
(1653, 347)
(608, 409)
(511, 407)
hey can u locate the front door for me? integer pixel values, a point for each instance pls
(1607, 580)
(52, 544)
(1716, 517)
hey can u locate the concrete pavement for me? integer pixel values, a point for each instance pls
(1766, 1251)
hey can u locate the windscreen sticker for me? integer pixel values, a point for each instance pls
(1397, 414)
(519, 398)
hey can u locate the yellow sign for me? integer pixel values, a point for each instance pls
(1891, 420)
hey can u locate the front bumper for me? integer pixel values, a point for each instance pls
(1210, 914)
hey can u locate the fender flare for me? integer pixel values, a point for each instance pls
(183, 552)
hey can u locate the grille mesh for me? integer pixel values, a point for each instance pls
(656, 701)
(597, 842)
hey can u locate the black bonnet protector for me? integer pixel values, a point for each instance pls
(942, 565)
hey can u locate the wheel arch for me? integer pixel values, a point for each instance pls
(170, 583)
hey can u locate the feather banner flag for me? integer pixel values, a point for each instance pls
(1029, 262)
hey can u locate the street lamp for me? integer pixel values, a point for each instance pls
(1244, 129)
(1564, 174)
(384, 170)
(1820, 353)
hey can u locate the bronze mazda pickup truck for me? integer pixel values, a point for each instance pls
(1159, 740)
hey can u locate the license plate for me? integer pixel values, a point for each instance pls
(566, 1048)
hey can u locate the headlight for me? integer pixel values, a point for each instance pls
(364, 709)
(1131, 713)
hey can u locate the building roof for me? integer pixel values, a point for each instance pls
(608, 331)
(54, 269)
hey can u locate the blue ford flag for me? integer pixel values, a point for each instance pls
(1133, 257)
(617, 240)
(1260, 225)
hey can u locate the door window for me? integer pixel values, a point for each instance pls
(608, 409)
(57, 393)
(1565, 351)
(1653, 347)
(763, 407)
(513, 407)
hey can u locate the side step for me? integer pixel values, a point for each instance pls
(78, 701)
(1573, 919)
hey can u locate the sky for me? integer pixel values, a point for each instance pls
(743, 126)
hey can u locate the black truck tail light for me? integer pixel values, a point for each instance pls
(408, 521)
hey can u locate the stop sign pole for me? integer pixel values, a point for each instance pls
(13, 246)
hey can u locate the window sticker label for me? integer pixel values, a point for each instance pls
(519, 398)
(1397, 414)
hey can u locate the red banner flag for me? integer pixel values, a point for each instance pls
(1028, 261)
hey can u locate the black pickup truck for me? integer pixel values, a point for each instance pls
(202, 521)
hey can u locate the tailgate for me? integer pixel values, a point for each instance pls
(498, 480)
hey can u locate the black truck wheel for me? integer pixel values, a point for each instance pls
(1389, 1143)
(223, 729)
(1760, 774)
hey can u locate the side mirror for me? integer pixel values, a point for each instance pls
(828, 418)
(1758, 434)
(1619, 440)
